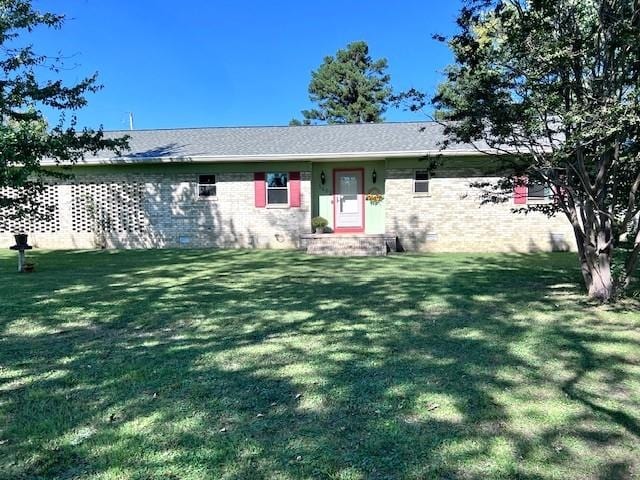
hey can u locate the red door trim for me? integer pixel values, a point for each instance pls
(337, 229)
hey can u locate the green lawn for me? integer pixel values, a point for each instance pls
(277, 365)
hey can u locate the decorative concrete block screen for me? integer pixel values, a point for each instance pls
(107, 207)
(49, 221)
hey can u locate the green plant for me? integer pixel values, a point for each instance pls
(557, 82)
(374, 198)
(127, 364)
(349, 87)
(27, 135)
(319, 223)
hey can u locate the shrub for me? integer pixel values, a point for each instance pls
(319, 222)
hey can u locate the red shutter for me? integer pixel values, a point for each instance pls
(294, 189)
(260, 189)
(520, 193)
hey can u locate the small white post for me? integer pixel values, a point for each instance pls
(20, 261)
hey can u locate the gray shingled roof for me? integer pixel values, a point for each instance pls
(265, 143)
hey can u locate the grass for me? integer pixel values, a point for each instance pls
(276, 365)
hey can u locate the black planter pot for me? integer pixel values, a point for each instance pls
(21, 239)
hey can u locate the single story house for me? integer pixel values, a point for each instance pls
(260, 187)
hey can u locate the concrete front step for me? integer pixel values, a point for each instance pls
(356, 245)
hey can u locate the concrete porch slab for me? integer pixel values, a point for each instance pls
(348, 244)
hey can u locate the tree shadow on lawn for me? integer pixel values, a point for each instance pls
(236, 364)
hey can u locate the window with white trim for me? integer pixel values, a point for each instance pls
(207, 186)
(537, 190)
(421, 181)
(277, 188)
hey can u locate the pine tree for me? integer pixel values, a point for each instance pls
(349, 87)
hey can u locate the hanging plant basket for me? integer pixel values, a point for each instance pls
(374, 197)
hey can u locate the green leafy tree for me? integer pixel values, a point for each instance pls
(348, 88)
(553, 87)
(25, 135)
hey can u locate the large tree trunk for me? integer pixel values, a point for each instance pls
(632, 260)
(595, 264)
(601, 287)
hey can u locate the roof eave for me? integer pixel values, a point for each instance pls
(272, 158)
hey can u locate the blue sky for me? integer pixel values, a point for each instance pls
(220, 63)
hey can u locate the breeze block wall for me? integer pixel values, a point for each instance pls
(451, 218)
(129, 209)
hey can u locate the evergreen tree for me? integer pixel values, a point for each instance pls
(348, 88)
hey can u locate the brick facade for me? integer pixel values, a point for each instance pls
(162, 210)
(451, 218)
(168, 213)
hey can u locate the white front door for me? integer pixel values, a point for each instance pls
(348, 202)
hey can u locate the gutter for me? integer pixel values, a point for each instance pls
(272, 157)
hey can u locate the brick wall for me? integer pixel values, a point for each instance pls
(451, 218)
(154, 210)
(163, 210)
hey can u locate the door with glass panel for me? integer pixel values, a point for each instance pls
(348, 201)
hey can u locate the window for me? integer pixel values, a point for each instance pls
(207, 186)
(421, 181)
(277, 188)
(537, 190)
